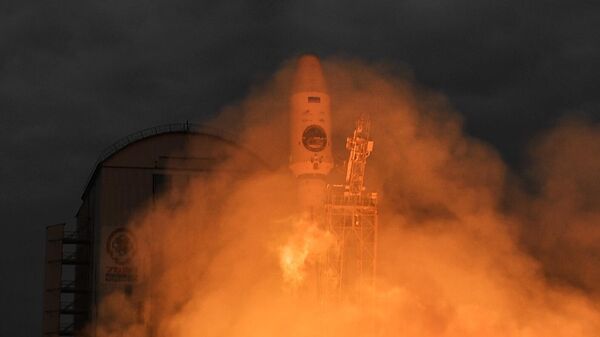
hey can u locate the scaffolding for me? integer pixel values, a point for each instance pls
(67, 281)
(351, 217)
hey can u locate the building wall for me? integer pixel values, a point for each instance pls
(131, 179)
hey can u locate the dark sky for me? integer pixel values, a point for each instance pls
(77, 75)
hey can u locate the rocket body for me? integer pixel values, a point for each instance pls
(310, 129)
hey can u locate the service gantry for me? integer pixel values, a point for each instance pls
(351, 217)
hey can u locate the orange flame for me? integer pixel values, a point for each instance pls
(305, 246)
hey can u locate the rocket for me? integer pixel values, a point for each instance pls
(310, 131)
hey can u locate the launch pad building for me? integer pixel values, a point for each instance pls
(91, 258)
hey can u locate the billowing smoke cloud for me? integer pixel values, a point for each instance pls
(452, 260)
(562, 214)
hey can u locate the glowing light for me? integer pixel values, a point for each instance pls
(306, 244)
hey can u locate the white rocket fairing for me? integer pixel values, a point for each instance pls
(310, 130)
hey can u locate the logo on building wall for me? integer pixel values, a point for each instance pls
(121, 246)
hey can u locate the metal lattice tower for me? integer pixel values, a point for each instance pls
(360, 147)
(351, 217)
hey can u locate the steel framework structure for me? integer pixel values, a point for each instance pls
(351, 217)
(67, 289)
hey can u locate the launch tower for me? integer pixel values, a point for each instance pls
(351, 217)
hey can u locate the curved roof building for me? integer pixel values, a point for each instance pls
(85, 264)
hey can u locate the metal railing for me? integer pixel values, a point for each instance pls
(67, 329)
(69, 286)
(76, 236)
(74, 258)
(68, 308)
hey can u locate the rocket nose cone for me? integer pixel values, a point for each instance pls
(309, 75)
